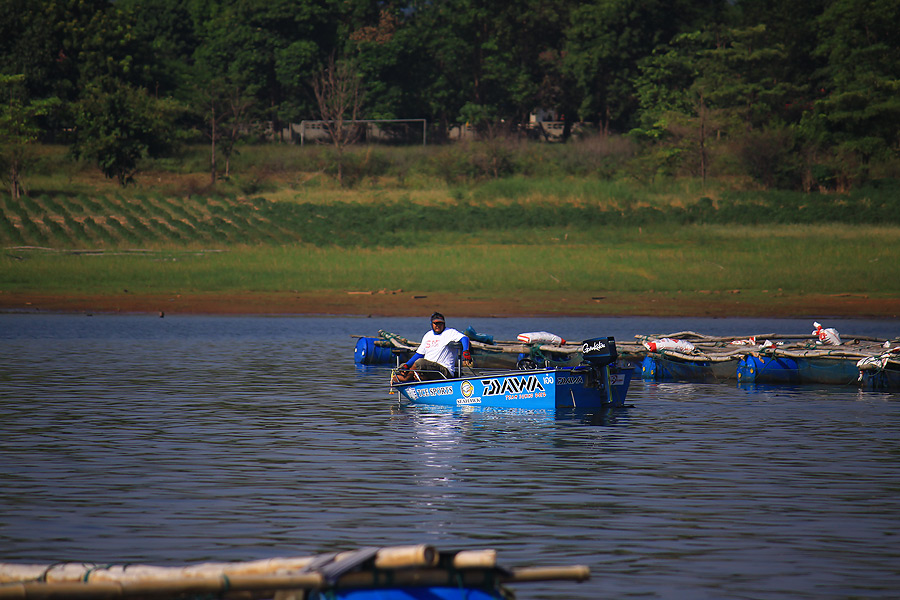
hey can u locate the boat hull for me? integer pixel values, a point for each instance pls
(543, 389)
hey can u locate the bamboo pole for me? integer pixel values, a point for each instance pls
(80, 572)
(397, 557)
(528, 574)
(159, 588)
(467, 559)
(469, 578)
(696, 338)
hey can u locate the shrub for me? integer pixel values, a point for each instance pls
(770, 157)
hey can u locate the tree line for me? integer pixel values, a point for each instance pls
(801, 95)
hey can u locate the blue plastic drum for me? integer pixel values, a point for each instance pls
(763, 369)
(367, 353)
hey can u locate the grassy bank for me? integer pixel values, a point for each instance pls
(790, 258)
(295, 230)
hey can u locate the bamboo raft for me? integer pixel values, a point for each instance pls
(417, 571)
(766, 358)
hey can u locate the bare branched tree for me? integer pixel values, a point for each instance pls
(224, 107)
(339, 95)
(237, 124)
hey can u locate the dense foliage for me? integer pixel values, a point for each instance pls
(795, 95)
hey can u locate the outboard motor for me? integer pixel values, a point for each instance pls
(599, 352)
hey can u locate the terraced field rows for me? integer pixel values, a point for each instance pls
(101, 222)
(64, 221)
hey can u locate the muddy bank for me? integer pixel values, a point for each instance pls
(403, 303)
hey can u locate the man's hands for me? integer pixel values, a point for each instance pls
(467, 358)
(402, 375)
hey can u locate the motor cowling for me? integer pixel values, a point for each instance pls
(599, 352)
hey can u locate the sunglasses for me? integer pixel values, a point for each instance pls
(433, 323)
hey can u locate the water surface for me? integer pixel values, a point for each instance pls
(166, 441)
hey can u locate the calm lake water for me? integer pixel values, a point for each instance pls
(183, 439)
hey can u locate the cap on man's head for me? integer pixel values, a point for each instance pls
(437, 317)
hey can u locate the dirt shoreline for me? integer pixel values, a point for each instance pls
(531, 304)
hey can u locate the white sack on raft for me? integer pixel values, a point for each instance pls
(669, 344)
(541, 337)
(827, 336)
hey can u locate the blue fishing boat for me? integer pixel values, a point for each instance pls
(597, 382)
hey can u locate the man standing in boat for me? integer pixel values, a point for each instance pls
(435, 358)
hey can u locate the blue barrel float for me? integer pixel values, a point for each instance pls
(880, 379)
(368, 353)
(666, 368)
(763, 369)
(658, 368)
(651, 370)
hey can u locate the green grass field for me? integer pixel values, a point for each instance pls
(792, 258)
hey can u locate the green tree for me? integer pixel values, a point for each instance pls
(743, 74)
(792, 25)
(168, 32)
(858, 115)
(271, 46)
(487, 63)
(61, 46)
(607, 39)
(42, 39)
(378, 53)
(118, 124)
(708, 84)
(18, 129)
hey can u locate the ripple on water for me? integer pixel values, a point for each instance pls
(167, 441)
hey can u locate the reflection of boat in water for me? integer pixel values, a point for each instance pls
(393, 573)
(597, 382)
(603, 416)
